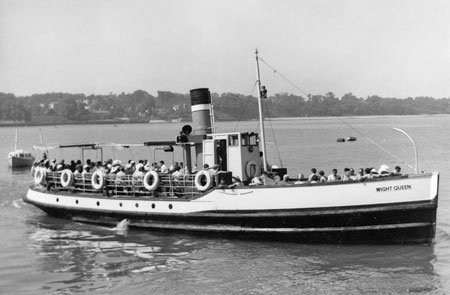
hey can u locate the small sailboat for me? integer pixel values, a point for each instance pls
(20, 158)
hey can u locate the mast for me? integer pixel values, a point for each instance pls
(261, 118)
(15, 142)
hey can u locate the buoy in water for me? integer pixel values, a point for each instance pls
(351, 138)
(341, 140)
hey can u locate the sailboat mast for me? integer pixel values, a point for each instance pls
(261, 118)
(15, 142)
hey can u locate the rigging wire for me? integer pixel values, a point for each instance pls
(274, 138)
(342, 120)
(378, 145)
(275, 71)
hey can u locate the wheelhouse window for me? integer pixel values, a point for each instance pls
(249, 139)
(233, 140)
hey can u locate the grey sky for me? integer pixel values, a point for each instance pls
(388, 48)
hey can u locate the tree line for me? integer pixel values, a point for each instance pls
(140, 106)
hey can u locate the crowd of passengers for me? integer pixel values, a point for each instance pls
(111, 167)
(177, 170)
(349, 174)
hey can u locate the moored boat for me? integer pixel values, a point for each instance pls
(20, 158)
(384, 209)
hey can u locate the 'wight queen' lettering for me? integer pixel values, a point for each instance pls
(394, 188)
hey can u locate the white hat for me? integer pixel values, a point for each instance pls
(116, 162)
(383, 168)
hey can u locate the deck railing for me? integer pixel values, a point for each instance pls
(127, 185)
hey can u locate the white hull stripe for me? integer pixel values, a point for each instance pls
(200, 107)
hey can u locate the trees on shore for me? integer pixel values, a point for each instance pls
(141, 106)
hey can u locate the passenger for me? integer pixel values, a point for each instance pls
(367, 174)
(360, 175)
(86, 170)
(236, 182)
(78, 170)
(383, 171)
(374, 173)
(53, 165)
(322, 177)
(72, 166)
(352, 174)
(47, 166)
(276, 178)
(300, 179)
(130, 168)
(98, 167)
(163, 168)
(121, 176)
(267, 180)
(222, 184)
(182, 168)
(397, 171)
(177, 175)
(334, 176)
(313, 176)
(346, 176)
(256, 181)
(285, 180)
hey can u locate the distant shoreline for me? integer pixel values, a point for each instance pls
(121, 122)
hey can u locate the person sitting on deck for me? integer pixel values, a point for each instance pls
(256, 181)
(236, 182)
(177, 175)
(334, 176)
(139, 173)
(78, 170)
(313, 176)
(163, 168)
(374, 173)
(397, 171)
(383, 171)
(285, 180)
(322, 177)
(267, 180)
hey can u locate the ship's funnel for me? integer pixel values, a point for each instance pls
(200, 107)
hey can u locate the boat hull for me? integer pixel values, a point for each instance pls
(395, 211)
(17, 162)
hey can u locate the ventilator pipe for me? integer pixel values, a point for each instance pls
(414, 145)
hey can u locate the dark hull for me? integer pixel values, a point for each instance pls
(413, 222)
(16, 162)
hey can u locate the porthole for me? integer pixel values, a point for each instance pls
(137, 205)
(76, 202)
(170, 206)
(98, 203)
(120, 204)
(153, 206)
(57, 199)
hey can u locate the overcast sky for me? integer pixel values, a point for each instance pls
(381, 47)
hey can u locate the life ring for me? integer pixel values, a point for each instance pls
(39, 175)
(97, 180)
(198, 180)
(251, 169)
(151, 185)
(66, 178)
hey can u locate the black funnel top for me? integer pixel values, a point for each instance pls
(200, 96)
